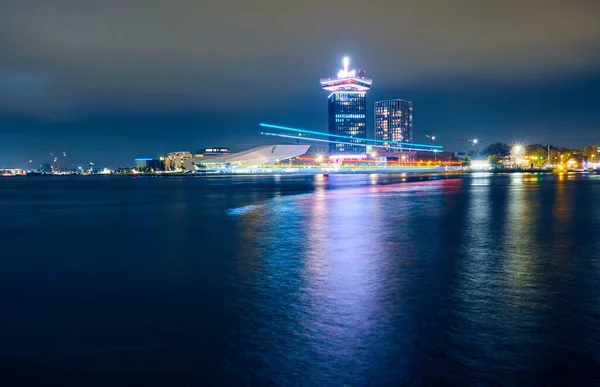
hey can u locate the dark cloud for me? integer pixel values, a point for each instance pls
(165, 54)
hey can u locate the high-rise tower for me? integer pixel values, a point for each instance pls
(347, 110)
(394, 120)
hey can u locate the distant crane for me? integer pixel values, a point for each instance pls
(473, 141)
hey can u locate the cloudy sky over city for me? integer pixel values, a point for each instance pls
(113, 80)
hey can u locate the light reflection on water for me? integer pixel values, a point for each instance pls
(339, 280)
(335, 276)
(368, 285)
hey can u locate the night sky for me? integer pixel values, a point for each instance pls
(111, 80)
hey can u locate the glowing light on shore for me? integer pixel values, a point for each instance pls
(517, 152)
(349, 157)
(517, 149)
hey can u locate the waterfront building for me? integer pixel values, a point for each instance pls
(162, 161)
(12, 172)
(394, 120)
(260, 155)
(438, 156)
(347, 109)
(142, 163)
(401, 157)
(175, 160)
(148, 164)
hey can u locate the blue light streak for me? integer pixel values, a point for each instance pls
(398, 144)
(403, 148)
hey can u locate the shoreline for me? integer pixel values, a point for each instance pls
(409, 172)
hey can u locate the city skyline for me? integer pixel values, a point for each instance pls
(67, 84)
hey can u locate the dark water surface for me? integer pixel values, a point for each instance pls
(350, 280)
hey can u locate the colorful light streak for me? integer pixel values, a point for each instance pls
(316, 139)
(392, 144)
(345, 143)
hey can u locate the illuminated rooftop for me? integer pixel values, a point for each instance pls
(347, 80)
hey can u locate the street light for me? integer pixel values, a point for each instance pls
(516, 152)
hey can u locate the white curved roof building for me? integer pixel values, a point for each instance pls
(265, 154)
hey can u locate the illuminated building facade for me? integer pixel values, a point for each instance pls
(347, 109)
(175, 160)
(402, 157)
(394, 120)
(260, 155)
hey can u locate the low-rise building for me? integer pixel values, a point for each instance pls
(175, 160)
(402, 157)
(149, 165)
(261, 155)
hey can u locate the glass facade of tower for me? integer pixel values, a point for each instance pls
(347, 110)
(347, 117)
(394, 120)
